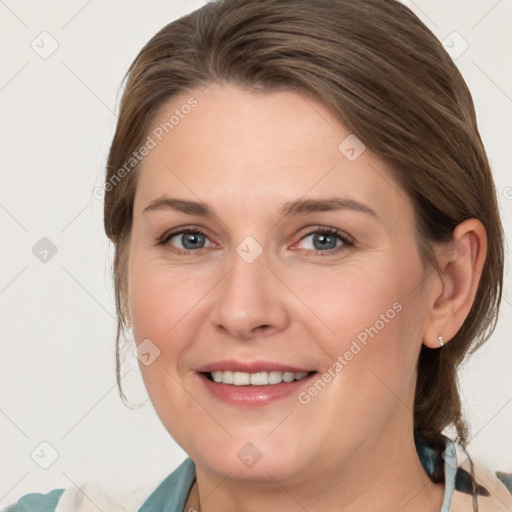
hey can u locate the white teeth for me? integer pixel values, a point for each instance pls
(259, 379)
(240, 379)
(288, 376)
(256, 379)
(275, 377)
(227, 377)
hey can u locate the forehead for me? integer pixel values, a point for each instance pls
(253, 149)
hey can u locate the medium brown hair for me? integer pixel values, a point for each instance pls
(387, 78)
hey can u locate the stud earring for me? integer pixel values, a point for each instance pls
(441, 341)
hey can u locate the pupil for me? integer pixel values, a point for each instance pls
(189, 239)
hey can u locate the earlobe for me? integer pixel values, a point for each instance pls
(461, 262)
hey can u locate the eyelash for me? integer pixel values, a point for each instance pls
(348, 241)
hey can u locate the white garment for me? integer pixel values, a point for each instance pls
(88, 497)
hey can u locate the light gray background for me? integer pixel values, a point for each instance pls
(57, 317)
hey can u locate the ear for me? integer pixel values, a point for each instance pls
(450, 300)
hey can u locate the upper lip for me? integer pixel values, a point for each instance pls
(249, 367)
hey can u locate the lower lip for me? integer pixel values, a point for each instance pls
(253, 395)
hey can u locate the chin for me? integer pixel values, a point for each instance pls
(254, 457)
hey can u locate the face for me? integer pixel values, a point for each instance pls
(266, 245)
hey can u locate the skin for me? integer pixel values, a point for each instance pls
(351, 447)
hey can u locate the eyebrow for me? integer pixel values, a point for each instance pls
(292, 208)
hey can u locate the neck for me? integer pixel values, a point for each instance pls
(382, 476)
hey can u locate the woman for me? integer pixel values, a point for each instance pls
(307, 245)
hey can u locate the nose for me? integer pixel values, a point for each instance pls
(250, 300)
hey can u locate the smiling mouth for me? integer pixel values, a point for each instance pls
(255, 379)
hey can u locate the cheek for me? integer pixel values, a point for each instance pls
(165, 304)
(160, 298)
(371, 352)
(159, 302)
(149, 310)
(358, 302)
(372, 317)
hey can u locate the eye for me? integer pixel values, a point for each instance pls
(326, 241)
(322, 241)
(185, 240)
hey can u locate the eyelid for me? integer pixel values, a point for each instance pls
(329, 230)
